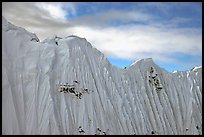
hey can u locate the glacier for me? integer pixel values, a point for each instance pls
(142, 99)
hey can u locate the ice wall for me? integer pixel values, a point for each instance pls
(142, 99)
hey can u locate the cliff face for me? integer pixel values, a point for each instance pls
(143, 99)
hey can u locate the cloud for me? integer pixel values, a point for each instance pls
(105, 18)
(54, 10)
(44, 19)
(145, 37)
(131, 42)
(165, 7)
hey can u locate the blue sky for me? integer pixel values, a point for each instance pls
(185, 15)
(168, 32)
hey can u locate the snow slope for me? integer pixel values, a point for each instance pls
(142, 99)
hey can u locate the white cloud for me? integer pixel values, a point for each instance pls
(44, 19)
(57, 10)
(159, 40)
(102, 19)
(54, 9)
(133, 42)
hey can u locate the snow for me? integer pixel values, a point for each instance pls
(196, 68)
(141, 60)
(122, 101)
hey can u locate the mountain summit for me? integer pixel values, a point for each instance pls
(65, 86)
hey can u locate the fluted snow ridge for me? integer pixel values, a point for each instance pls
(142, 99)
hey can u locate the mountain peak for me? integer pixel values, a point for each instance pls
(196, 68)
(28, 36)
(65, 86)
(139, 61)
(143, 64)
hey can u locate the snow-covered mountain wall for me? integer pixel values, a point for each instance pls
(142, 99)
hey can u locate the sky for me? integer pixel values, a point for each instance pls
(168, 32)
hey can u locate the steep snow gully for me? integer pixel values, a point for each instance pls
(65, 86)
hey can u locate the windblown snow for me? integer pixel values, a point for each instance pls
(65, 86)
